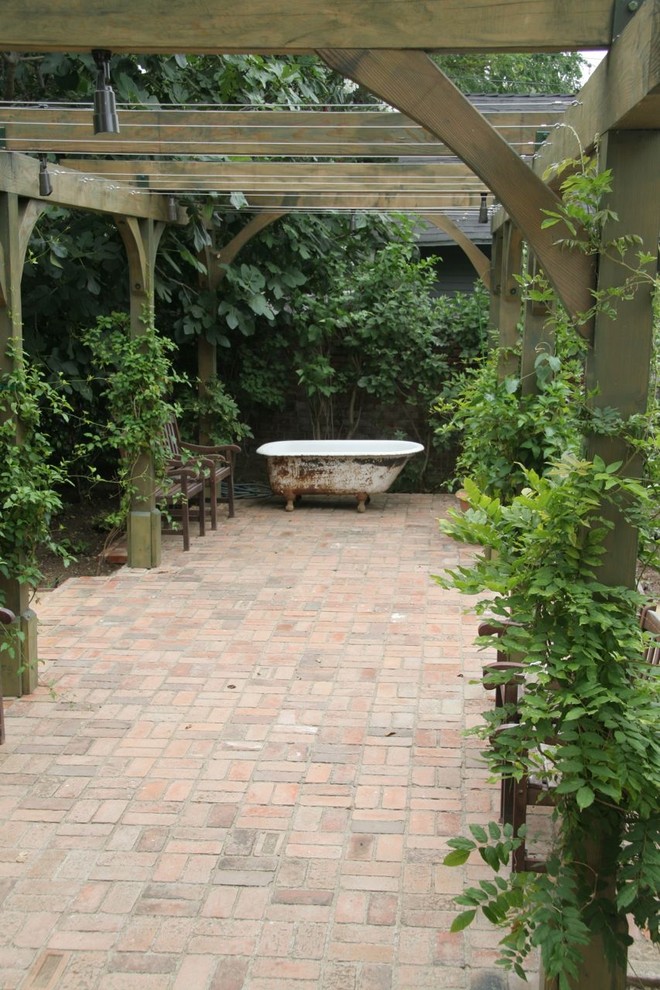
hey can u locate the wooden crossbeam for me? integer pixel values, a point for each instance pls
(426, 179)
(80, 190)
(67, 130)
(372, 202)
(197, 26)
(412, 83)
(20, 174)
(622, 94)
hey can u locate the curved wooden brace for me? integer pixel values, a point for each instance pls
(480, 261)
(27, 215)
(141, 239)
(411, 82)
(227, 253)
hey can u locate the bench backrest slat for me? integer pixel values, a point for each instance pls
(171, 438)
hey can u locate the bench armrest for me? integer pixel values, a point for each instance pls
(222, 449)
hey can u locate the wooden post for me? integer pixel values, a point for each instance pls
(618, 363)
(141, 238)
(207, 351)
(17, 220)
(618, 367)
(537, 335)
(505, 307)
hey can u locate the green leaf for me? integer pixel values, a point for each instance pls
(457, 857)
(462, 921)
(479, 833)
(584, 797)
(461, 842)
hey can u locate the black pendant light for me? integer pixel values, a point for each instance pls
(45, 185)
(105, 110)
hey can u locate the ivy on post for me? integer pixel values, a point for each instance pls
(619, 362)
(17, 574)
(15, 594)
(141, 239)
(561, 594)
(505, 309)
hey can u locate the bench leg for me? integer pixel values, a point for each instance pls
(201, 501)
(213, 496)
(230, 495)
(185, 524)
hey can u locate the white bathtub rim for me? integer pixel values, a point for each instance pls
(340, 448)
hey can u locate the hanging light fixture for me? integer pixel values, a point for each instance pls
(483, 209)
(105, 110)
(172, 209)
(45, 185)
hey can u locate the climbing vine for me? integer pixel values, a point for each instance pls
(587, 717)
(587, 690)
(136, 378)
(30, 479)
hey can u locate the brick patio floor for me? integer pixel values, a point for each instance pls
(241, 769)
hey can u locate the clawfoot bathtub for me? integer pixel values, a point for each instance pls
(335, 467)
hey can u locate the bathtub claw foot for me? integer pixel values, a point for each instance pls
(289, 504)
(362, 502)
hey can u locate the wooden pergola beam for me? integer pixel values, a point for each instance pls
(411, 82)
(369, 202)
(68, 130)
(622, 94)
(196, 26)
(426, 179)
(19, 174)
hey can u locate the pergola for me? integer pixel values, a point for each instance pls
(434, 152)
(458, 153)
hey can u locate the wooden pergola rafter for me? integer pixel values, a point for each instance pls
(376, 133)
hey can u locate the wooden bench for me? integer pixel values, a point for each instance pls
(516, 796)
(191, 468)
(6, 618)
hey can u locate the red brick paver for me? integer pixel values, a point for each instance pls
(241, 769)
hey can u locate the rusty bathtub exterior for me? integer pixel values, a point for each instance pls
(335, 467)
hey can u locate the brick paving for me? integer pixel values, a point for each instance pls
(241, 769)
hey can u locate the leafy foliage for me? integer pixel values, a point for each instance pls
(136, 378)
(371, 331)
(587, 690)
(29, 477)
(588, 713)
(504, 431)
(218, 411)
(246, 80)
(521, 73)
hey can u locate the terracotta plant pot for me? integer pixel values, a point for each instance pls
(463, 502)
